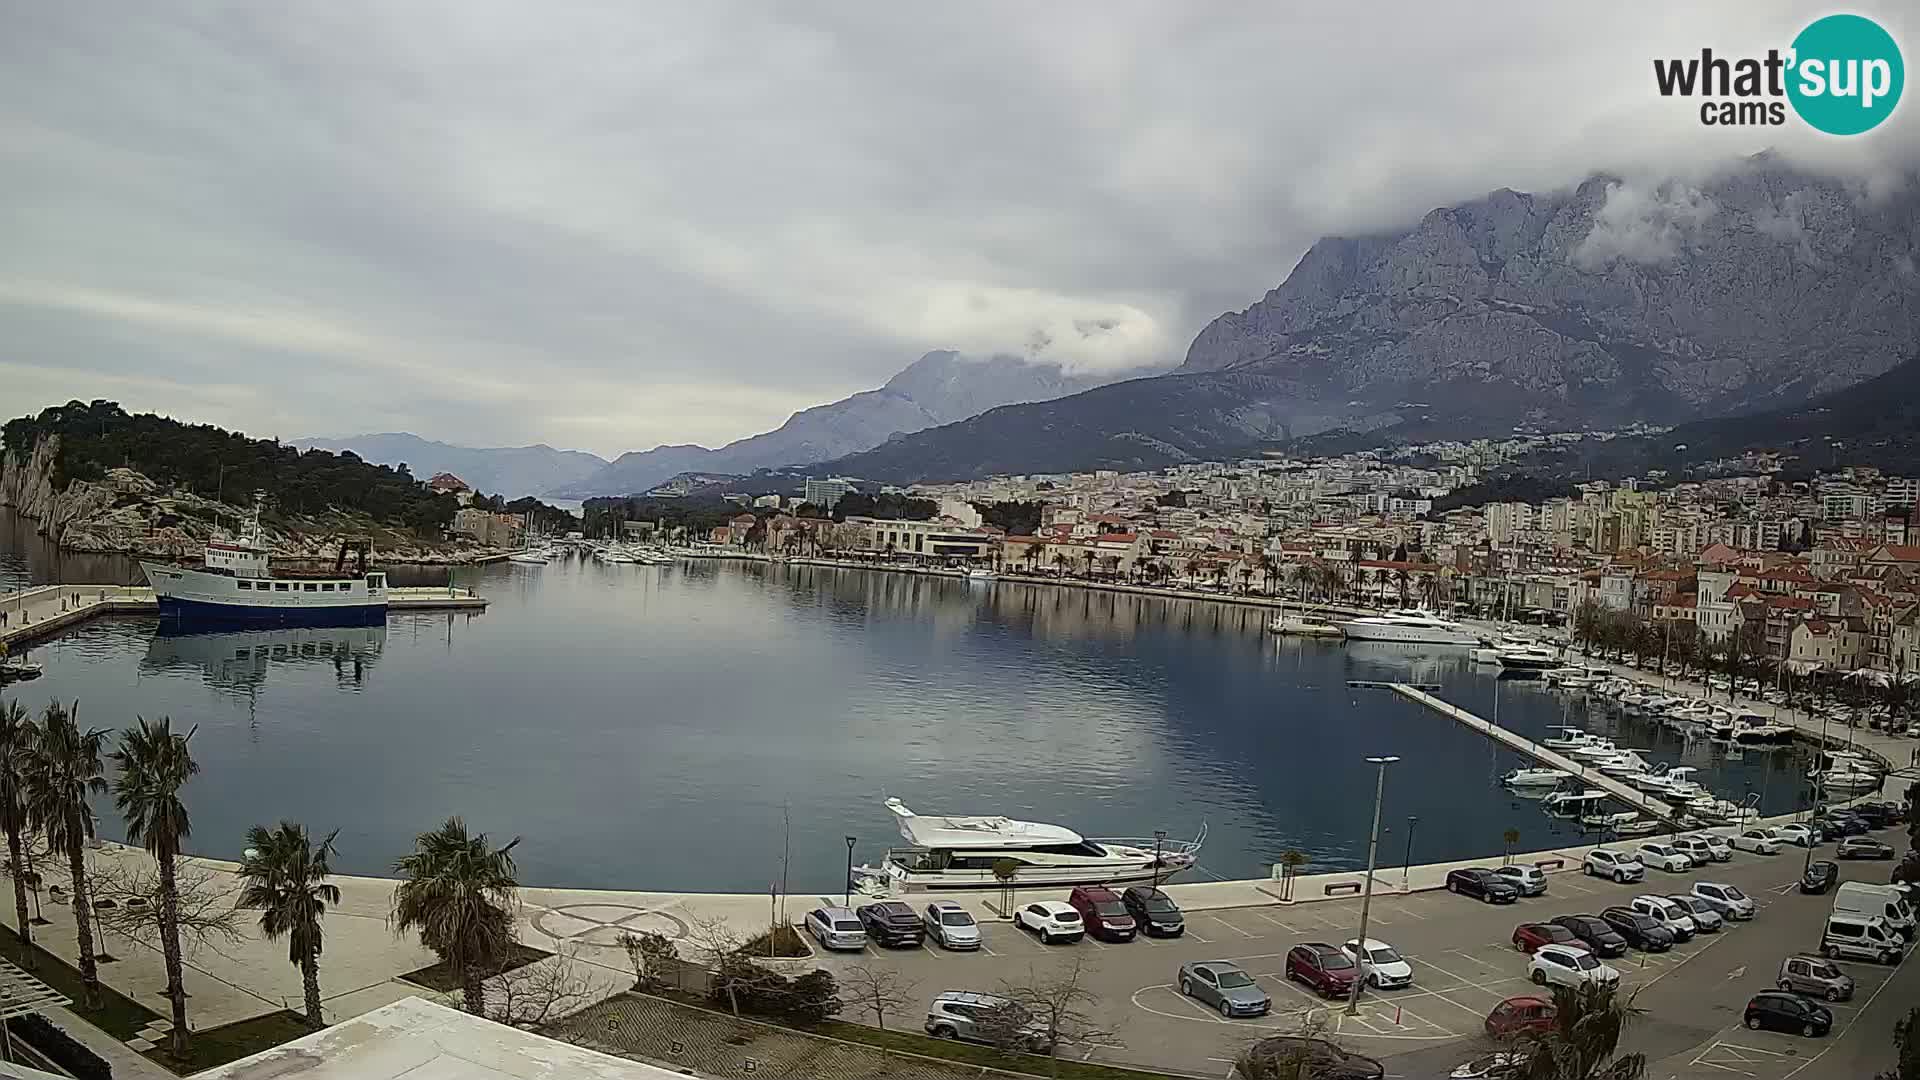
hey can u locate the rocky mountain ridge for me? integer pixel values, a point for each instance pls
(507, 471)
(1612, 303)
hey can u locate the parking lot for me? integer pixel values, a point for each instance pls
(1464, 964)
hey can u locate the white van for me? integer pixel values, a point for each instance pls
(1861, 938)
(1883, 901)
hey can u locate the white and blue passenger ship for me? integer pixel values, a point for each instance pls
(235, 585)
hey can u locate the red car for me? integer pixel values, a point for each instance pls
(1520, 1016)
(1530, 936)
(1322, 968)
(1102, 913)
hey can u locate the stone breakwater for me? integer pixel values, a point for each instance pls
(126, 513)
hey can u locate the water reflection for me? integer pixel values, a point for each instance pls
(241, 659)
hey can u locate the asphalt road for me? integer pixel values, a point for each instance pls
(1464, 964)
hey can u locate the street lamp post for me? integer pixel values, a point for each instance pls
(1366, 893)
(1406, 868)
(848, 899)
(1159, 840)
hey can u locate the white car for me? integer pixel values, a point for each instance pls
(1621, 866)
(1383, 965)
(1756, 841)
(1568, 965)
(1666, 857)
(1798, 834)
(1725, 899)
(1528, 879)
(1667, 914)
(1717, 846)
(1492, 1066)
(1051, 921)
(1699, 849)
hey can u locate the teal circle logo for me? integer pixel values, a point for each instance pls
(1847, 74)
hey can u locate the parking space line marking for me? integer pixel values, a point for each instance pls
(1275, 921)
(1197, 1007)
(1403, 910)
(1233, 928)
(1190, 933)
(1093, 941)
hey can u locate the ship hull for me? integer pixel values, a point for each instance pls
(1406, 635)
(201, 612)
(201, 597)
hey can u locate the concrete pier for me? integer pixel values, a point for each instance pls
(43, 609)
(1626, 793)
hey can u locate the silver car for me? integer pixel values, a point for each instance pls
(1225, 987)
(1706, 918)
(1815, 976)
(950, 924)
(836, 928)
(982, 1018)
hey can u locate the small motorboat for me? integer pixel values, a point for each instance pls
(1763, 735)
(1570, 738)
(1595, 750)
(1535, 777)
(17, 669)
(1633, 825)
(978, 574)
(1301, 626)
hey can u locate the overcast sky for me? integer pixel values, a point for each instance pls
(607, 226)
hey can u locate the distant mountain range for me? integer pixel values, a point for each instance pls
(511, 471)
(939, 388)
(1601, 306)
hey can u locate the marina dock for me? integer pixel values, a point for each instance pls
(1626, 793)
(43, 609)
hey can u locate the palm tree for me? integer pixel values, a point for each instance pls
(1511, 837)
(1061, 560)
(286, 880)
(1302, 576)
(457, 892)
(154, 765)
(1402, 579)
(1587, 1024)
(15, 728)
(62, 768)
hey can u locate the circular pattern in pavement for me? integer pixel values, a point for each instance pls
(601, 925)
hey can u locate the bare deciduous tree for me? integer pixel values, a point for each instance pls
(879, 991)
(536, 996)
(655, 960)
(1061, 1007)
(206, 912)
(714, 942)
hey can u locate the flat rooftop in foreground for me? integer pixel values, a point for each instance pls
(420, 1040)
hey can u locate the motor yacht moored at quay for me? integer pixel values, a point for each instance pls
(962, 852)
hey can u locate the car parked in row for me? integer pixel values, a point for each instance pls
(892, 924)
(1382, 966)
(1820, 876)
(1102, 913)
(1621, 866)
(1530, 936)
(1757, 841)
(1322, 968)
(1726, 899)
(1862, 847)
(1050, 921)
(1668, 914)
(1595, 933)
(836, 928)
(1664, 856)
(1225, 987)
(1519, 1016)
(1799, 834)
(1815, 976)
(1695, 848)
(1526, 880)
(1706, 919)
(951, 925)
(982, 1018)
(1481, 884)
(1773, 1010)
(1569, 965)
(1640, 930)
(1154, 911)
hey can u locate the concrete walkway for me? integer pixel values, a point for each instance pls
(36, 612)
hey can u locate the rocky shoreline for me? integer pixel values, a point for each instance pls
(128, 514)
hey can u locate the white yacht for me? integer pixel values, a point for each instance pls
(529, 557)
(954, 852)
(1595, 750)
(1847, 772)
(1409, 626)
(1531, 657)
(1569, 738)
(1535, 777)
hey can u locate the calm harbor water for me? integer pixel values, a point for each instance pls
(655, 727)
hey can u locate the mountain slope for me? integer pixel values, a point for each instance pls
(511, 471)
(939, 388)
(1605, 305)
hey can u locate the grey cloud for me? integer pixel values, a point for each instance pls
(608, 225)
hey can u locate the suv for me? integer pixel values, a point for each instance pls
(1816, 976)
(1528, 879)
(1667, 913)
(836, 928)
(891, 922)
(1104, 916)
(1050, 921)
(964, 1014)
(1800, 834)
(1640, 930)
(1319, 966)
(1307, 1056)
(1154, 911)
(1618, 865)
(1666, 857)
(1696, 848)
(1569, 965)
